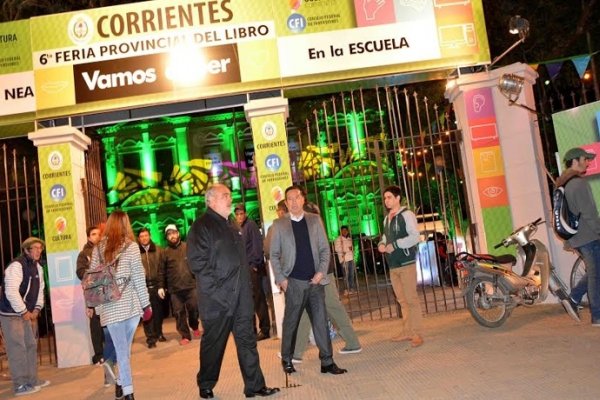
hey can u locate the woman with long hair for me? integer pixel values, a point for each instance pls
(122, 316)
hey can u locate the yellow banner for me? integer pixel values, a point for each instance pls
(272, 162)
(60, 228)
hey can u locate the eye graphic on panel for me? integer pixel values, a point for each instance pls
(493, 191)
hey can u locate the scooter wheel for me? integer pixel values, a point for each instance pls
(486, 301)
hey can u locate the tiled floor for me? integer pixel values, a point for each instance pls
(540, 353)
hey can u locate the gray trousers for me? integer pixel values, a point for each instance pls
(20, 338)
(300, 296)
(338, 316)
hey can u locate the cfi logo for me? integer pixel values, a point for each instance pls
(55, 160)
(58, 192)
(80, 29)
(296, 22)
(273, 162)
(269, 131)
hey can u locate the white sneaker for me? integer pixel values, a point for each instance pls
(24, 390)
(40, 384)
(346, 350)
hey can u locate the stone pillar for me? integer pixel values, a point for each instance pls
(62, 167)
(273, 172)
(503, 159)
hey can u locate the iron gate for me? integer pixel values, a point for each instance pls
(353, 146)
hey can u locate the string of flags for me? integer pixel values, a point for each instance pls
(553, 67)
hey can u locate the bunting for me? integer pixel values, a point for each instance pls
(554, 68)
(581, 64)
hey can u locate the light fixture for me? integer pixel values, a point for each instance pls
(510, 86)
(516, 25)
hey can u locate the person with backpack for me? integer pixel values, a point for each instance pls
(399, 244)
(122, 316)
(21, 300)
(586, 240)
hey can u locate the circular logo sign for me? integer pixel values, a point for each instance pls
(58, 192)
(80, 29)
(273, 162)
(296, 22)
(269, 131)
(55, 160)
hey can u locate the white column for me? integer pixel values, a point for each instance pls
(61, 158)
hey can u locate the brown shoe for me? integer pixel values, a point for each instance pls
(401, 338)
(416, 341)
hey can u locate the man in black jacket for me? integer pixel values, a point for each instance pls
(256, 264)
(83, 263)
(152, 258)
(218, 259)
(180, 283)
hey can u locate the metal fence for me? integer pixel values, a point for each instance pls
(21, 217)
(353, 146)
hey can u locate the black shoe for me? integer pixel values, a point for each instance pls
(333, 369)
(265, 391)
(288, 367)
(118, 392)
(162, 338)
(262, 336)
(206, 393)
(129, 397)
(151, 345)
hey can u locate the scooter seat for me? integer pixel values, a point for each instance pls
(501, 259)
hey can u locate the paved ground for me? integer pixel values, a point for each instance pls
(539, 353)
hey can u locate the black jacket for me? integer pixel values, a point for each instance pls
(176, 275)
(153, 261)
(217, 255)
(83, 259)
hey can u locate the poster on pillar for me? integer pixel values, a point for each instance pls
(60, 231)
(272, 162)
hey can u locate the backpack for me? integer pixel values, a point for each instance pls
(564, 222)
(100, 285)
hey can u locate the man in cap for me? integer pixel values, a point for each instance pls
(21, 299)
(256, 263)
(587, 239)
(177, 277)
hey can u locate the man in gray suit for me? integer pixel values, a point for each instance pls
(299, 254)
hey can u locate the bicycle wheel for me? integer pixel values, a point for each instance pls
(577, 272)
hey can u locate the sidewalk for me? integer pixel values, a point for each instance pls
(539, 353)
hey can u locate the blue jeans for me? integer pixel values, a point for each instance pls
(349, 271)
(591, 256)
(580, 289)
(122, 336)
(109, 354)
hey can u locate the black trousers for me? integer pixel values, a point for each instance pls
(301, 295)
(185, 308)
(212, 349)
(153, 327)
(260, 303)
(97, 336)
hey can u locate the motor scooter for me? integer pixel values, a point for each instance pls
(492, 289)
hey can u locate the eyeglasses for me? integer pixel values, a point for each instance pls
(38, 247)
